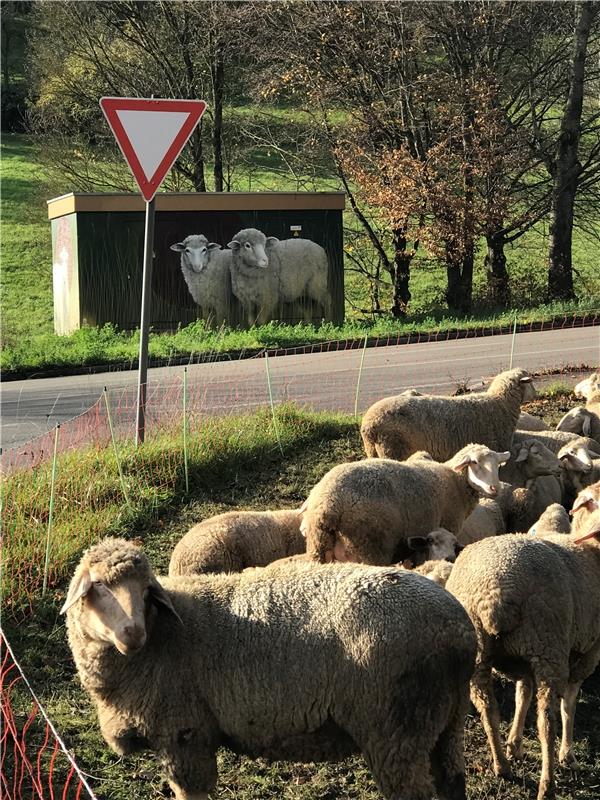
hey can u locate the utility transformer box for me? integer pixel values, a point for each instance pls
(289, 266)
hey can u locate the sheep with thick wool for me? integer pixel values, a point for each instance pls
(535, 605)
(309, 664)
(206, 270)
(235, 540)
(365, 510)
(397, 426)
(267, 272)
(555, 519)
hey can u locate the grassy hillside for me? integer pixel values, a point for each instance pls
(26, 292)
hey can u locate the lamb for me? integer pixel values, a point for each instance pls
(266, 272)
(555, 519)
(235, 540)
(527, 422)
(266, 663)
(397, 426)
(554, 440)
(365, 510)
(205, 268)
(535, 604)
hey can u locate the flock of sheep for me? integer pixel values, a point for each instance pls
(304, 635)
(260, 273)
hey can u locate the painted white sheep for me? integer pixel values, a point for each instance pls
(366, 510)
(397, 426)
(206, 269)
(308, 664)
(266, 272)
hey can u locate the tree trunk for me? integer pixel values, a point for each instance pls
(567, 168)
(401, 273)
(217, 74)
(459, 271)
(198, 165)
(497, 274)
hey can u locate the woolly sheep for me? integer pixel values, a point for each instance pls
(554, 440)
(587, 386)
(578, 470)
(205, 268)
(486, 519)
(535, 604)
(266, 663)
(527, 422)
(555, 519)
(235, 540)
(266, 272)
(397, 426)
(364, 510)
(581, 422)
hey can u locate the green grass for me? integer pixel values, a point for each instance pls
(29, 344)
(236, 463)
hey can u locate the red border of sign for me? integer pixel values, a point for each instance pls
(110, 106)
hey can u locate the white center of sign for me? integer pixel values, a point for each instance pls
(151, 133)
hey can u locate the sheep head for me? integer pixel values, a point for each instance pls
(587, 386)
(575, 457)
(481, 465)
(536, 459)
(439, 545)
(250, 246)
(113, 594)
(195, 250)
(511, 380)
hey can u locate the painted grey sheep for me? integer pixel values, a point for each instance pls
(397, 426)
(206, 269)
(535, 604)
(235, 540)
(266, 272)
(309, 664)
(365, 510)
(555, 519)
(528, 422)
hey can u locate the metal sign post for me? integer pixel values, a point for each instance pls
(151, 134)
(140, 422)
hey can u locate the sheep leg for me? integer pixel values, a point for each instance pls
(448, 761)
(567, 711)
(523, 694)
(547, 731)
(484, 700)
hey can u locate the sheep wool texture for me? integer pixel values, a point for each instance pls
(211, 287)
(236, 540)
(371, 506)
(555, 519)
(397, 426)
(555, 440)
(304, 664)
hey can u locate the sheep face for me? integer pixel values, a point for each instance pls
(577, 420)
(439, 545)
(575, 458)
(527, 388)
(115, 605)
(537, 459)
(586, 510)
(250, 245)
(482, 465)
(195, 251)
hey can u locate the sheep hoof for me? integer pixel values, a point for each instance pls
(568, 760)
(504, 771)
(514, 750)
(546, 791)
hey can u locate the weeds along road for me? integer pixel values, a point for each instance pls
(320, 381)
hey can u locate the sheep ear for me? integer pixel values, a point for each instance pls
(234, 244)
(214, 246)
(463, 463)
(526, 379)
(78, 589)
(272, 241)
(417, 542)
(523, 454)
(584, 500)
(503, 457)
(587, 426)
(178, 248)
(162, 600)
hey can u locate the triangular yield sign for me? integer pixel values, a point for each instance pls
(151, 134)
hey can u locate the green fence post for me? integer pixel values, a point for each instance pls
(114, 444)
(362, 359)
(271, 401)
(512, 344)
(185, 421)
(51, 511)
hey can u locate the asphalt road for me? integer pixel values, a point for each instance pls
(324, 380)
